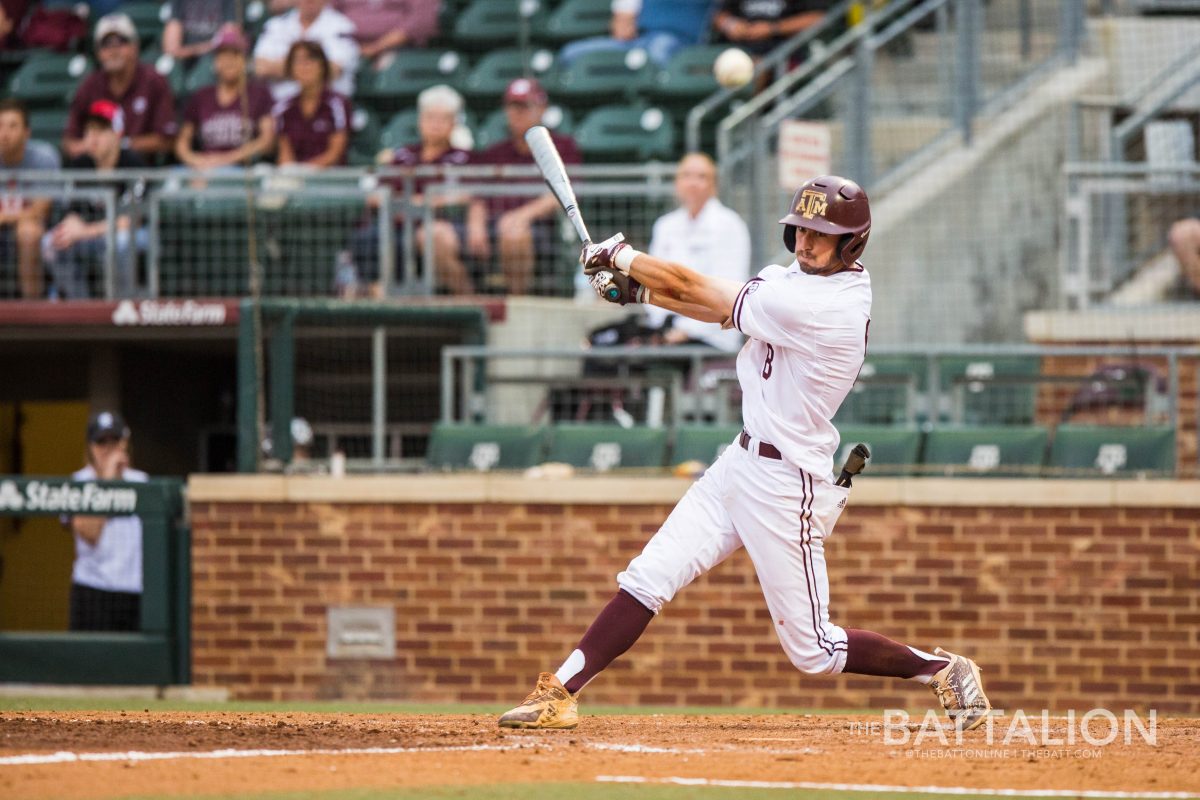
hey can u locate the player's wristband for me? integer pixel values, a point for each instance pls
(623, 259)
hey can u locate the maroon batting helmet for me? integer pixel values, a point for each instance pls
(830, 204)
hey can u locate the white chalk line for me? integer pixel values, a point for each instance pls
(878, 788)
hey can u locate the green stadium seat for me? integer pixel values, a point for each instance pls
(396, 86)
(605, 447)
(577, 19)
(200, 75)
(994, 451)
(48, 78)
(1100, 451)
(894, 451)
(495, 125)
(496, 22)
(688, 77)
(312, 230)
(702, 443)
(987, 390)
(888, 392)
(169, 68)
(48, 124)
(400, 130)
(621, 134)
(364, 138)
(605, 75)
(490, 77)
(203, 245)
(149, 18)
(485, 447)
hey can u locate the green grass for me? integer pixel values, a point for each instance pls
(575, 791)
(347, 707)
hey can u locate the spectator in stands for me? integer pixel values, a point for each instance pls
(230, 122)
(1120, 394)
(1185, 243)
(759, 27)
(144, 97)
(192, 29)
(521, 228)
(314, 125)
(73, 247)
(439, 111)
(705, 232)
(660, 27)
(23, 218)
(314, 21)
(11, 14)
(384, 26)
(106, 581)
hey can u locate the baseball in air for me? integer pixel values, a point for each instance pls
(733, 68)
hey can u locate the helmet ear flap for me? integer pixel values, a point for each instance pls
(852, 248)
(789, 237)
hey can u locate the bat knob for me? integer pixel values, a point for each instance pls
(613, 293)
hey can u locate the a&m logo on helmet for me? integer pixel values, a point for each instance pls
(811, 203)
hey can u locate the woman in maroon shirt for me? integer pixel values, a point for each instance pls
(313, 126)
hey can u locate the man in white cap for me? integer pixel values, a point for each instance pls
(144, 97)
(106, 581)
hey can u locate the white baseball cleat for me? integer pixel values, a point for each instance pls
(960, 690)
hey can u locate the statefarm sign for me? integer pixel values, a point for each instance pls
(169, 312)
(66, 497)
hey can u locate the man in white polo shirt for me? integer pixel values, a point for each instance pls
(706, 234)
(106, 582)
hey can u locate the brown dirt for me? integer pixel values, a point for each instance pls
(829, 749)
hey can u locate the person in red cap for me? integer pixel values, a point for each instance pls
(229, 122)
(143, 94)
(74, 249)
(518, 228)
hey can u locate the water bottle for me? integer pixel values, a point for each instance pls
(346, 275)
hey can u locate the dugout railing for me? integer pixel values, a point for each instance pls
(159, 651)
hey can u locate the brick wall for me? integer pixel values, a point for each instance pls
(1064, 607)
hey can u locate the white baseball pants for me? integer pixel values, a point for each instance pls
(782, 516)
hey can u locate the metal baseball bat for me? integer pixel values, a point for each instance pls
(551, 164)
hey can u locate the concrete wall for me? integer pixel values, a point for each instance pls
(1071, 594)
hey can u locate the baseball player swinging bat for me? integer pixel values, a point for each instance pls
(548, 160)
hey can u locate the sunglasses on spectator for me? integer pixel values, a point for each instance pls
(109, 42)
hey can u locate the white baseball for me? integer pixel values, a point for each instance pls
(733, 68)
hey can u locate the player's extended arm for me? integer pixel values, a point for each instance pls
(672, 286)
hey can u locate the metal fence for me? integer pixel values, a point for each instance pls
(280, 233)
(1117, 224)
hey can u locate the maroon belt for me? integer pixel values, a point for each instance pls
(764, 450)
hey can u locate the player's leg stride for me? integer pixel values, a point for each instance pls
(770, 491)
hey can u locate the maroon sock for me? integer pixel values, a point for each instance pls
(613, 632)
(868, 653)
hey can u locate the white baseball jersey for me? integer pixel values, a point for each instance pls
(114, 562)
(808, 339)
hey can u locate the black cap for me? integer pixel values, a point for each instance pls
(107, 425)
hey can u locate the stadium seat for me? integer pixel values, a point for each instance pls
(149, 18)
(312, 230)
(605, 447)
(987, 451)
(1100, 451)
(702, 443)
(203, 247)
(990, 390)
(495, 126)
(621, 134)
(364, 138)
(48, 78)
(605, 75)
(577, 19)
(493, 22)
(894, 451)
(485, 447)
(200, 75)
(688, 77)
(48, 124)
(888, 391)
(400, 130)
(169, 68)
(397, 85)
(490, 77)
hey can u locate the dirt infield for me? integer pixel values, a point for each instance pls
(117, 754)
